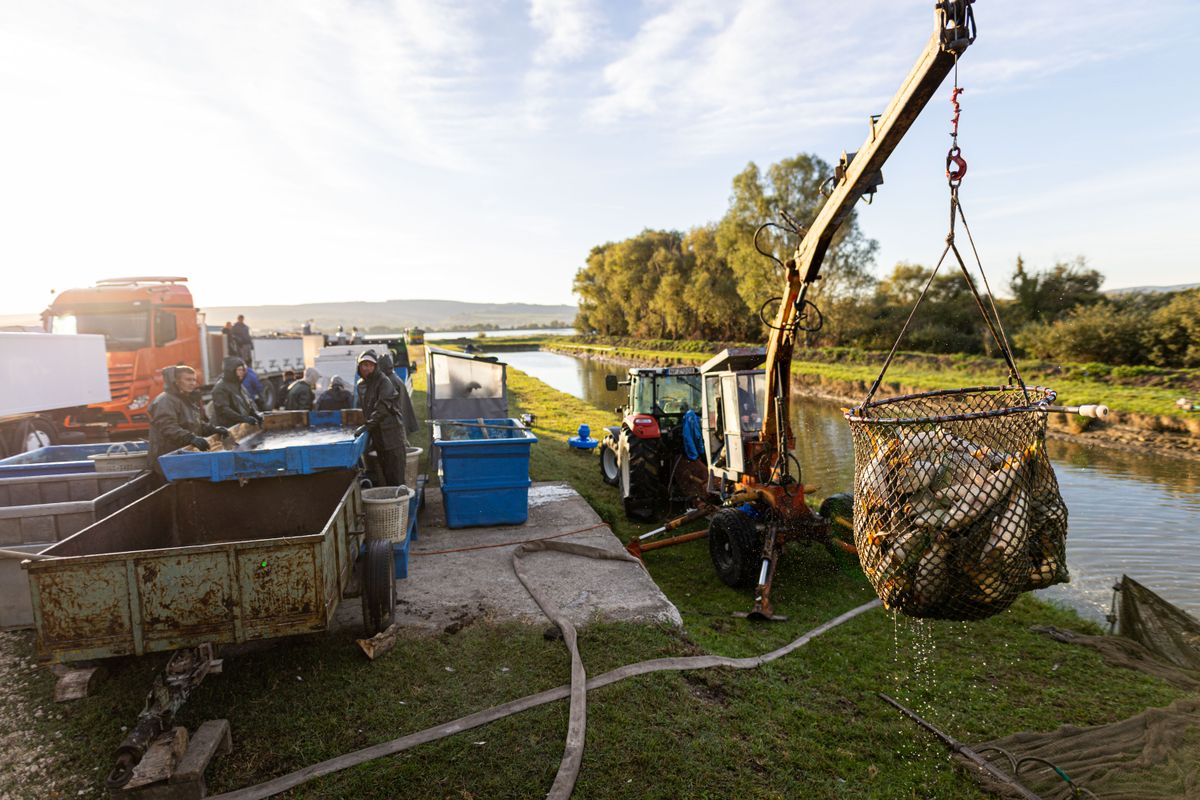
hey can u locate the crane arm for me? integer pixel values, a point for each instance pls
(858, 174)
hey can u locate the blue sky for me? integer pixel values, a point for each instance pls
(306, 151)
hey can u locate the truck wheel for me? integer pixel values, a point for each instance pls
(610, 471)
(735, 548)
(270, 395)
(34, 433)
(641, 483)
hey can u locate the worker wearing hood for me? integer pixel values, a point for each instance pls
(175, 418)
(336, 397)
(379, 401)
(407, 414)
(302, 394)
(231, 401)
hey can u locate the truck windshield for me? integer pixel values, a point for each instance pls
(122, 330)
(666, 394)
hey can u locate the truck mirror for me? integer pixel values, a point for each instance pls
(610, 382)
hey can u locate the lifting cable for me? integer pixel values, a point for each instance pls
(568, 771)
(956, 170)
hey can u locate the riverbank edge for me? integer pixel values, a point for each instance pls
(1133, 432)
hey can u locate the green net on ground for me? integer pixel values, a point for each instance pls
(956, 507)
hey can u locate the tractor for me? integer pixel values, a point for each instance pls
(645, 456)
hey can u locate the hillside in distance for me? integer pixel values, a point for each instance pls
(395, 315)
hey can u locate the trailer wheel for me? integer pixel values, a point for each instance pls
(270, 394)
(735, 548)
(378, 587)
(610, 471)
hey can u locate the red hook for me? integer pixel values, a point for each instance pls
(959, 171)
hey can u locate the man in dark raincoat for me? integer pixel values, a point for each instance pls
(176, 419)
(243, 343)
(380, 404)
(231, 402)
(302, 394)
(336, 397)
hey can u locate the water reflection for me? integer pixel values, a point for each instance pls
(1129, 513)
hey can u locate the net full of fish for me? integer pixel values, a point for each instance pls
(956, 507)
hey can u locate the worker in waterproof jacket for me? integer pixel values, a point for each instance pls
(380, 404)
(407, 415)
(176, 419)
(336, 397)
(231, 401)
(243, 343)
(302, 394)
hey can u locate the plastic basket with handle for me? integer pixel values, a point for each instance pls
(387, 512)
(956, 507)
(120, 458)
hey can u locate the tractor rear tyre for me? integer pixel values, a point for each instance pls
(610, 469)
(735, 548)
(641, 482)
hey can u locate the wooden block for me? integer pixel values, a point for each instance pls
(75, 684)
(280, 420)
(160, 759)
(353, 417)
(211, 738)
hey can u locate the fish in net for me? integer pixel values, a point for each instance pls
(956, 507)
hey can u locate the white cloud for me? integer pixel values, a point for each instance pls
(570, 31)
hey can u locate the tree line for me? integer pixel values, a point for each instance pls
(713, 283)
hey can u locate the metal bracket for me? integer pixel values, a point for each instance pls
(956, 22)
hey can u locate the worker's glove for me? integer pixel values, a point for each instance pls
(200, 443)
(252, 420)
(222, 432)
(258, 420)
(359, 431)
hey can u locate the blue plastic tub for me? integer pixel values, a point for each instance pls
(484, 472)
(298, 459)
(60, 459)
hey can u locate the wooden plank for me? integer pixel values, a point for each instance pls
(160, 759)
(75, 684)
(211, 738)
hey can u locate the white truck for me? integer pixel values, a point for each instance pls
(45, 377)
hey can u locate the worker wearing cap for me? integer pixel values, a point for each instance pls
(380, 406)
(175, 419)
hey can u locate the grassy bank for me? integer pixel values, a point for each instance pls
(807, 726)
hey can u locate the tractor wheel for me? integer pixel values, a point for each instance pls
(641, 483)
(610, 470)
(735, 548)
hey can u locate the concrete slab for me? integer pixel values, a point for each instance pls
(445, 590)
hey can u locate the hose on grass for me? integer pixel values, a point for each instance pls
(564, 781)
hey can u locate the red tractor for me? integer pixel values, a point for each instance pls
(646, 455)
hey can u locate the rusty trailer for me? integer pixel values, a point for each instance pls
(198, 562)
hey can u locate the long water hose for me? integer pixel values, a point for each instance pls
(568, 771)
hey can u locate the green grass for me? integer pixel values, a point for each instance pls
(806, 726)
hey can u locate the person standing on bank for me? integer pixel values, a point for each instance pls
(175, 419)
(379, 402)
(231, 402)
(303, 393)
(243, 343)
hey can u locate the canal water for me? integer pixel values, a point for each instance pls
(1129, 513)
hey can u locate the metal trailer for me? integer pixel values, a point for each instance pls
(38, 511)
(198, 563)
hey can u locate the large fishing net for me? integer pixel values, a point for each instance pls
(956, 507)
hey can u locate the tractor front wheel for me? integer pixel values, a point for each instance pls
(641, 483)
(610, 470)
(735, 548)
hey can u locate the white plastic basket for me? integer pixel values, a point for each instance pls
(412, 464)
(387, 512)
(119, 458)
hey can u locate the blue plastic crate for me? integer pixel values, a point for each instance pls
(484, 472)
(486, 505)
(60, 459)
(299, 459)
